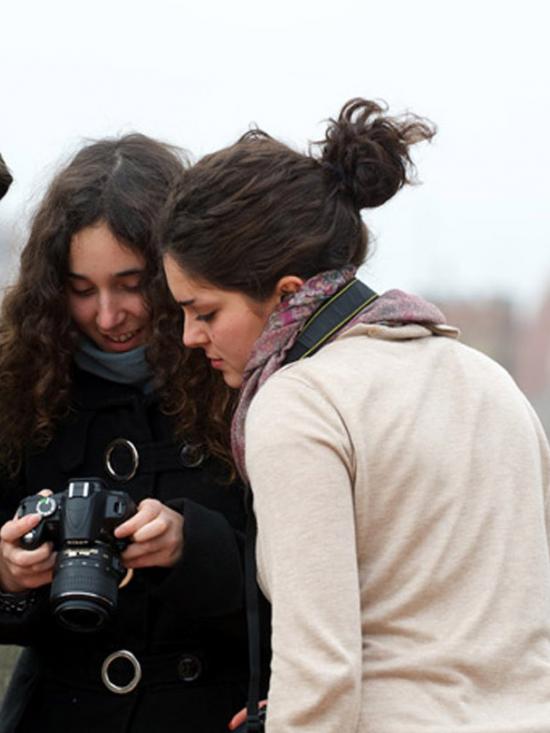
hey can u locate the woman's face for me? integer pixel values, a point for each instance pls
(104, 290)
(224, 323)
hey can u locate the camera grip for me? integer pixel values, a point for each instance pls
(45, 506)
(32, 539)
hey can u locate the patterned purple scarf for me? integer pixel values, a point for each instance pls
(288, 319)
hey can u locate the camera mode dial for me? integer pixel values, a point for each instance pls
(46, 506)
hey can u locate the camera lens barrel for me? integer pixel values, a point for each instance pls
(85, 586)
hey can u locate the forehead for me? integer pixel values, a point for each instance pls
(95, 249)
(185, 287)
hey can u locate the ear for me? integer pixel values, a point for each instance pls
(288, 284)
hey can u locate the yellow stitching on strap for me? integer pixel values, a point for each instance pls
(339, 325)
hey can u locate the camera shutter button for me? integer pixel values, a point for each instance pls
(28, 539)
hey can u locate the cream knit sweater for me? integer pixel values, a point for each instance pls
(401, 484)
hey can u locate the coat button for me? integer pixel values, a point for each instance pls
(191, 456)
(189, 668)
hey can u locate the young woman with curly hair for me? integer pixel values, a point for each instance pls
(401, 481)
(93, 383)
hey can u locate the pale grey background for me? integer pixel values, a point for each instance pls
(198, 74)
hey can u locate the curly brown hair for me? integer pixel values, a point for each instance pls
(122, 182)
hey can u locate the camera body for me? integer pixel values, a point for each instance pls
(80, 522)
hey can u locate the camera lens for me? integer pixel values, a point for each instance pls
(85, 586)
(81, 615)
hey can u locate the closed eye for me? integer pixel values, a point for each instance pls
(84, 293)
(206, 317)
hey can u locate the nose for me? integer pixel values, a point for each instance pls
(109, 313)
(193, 334)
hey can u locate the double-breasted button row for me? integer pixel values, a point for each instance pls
(123, 460)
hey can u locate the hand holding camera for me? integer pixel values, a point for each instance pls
(82, 540)
(80, 524)
(156, 531)
(22, 570)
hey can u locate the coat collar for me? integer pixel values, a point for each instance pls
(91, 392)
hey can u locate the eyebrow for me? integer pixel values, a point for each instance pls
(122, 273)
(186, 302)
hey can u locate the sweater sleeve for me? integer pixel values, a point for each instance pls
(208, 579)
(301, 473)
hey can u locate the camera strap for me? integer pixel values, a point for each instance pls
(254, 723)
(327, 320)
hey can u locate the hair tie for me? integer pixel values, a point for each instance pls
(341, 178)
(335, 170)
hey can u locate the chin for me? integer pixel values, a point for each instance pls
(233, 380)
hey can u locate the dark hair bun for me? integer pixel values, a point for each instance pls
(366, 152)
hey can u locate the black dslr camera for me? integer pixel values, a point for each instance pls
(80, 522)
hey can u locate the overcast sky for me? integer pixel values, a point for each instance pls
(198, 73)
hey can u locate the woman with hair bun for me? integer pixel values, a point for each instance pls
(400, 479)
(95, 384)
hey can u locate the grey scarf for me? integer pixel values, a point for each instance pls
(128, 367)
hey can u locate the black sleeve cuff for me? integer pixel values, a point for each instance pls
(16, 604)
(22, 615)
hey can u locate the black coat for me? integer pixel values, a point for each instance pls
(185, 624)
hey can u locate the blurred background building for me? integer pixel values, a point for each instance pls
(517, 339)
